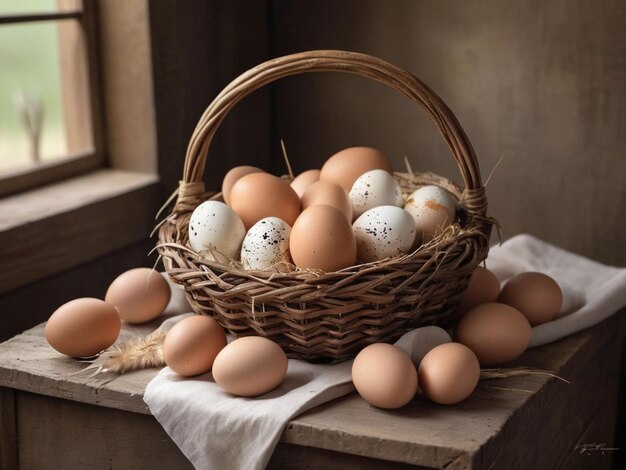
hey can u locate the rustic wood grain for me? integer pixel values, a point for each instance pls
(52, 229)
(196, 51)
(64, 435)
(8, 429)
(533, 422)
(51, 428)
(293, 457)
(540, 84)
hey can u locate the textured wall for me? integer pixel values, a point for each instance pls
(541, 84)
(196, 51)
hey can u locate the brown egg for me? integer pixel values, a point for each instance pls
(83, 327)
(483, 288)
(191, 346)
(497, 333)
(259, 195)
(140, 295)
(305, 179)
(322, 238)
(233, 176)
(331, 194)
(449, 373)
(250, 366)
(347, 165)
(384, 376)
(536, 295)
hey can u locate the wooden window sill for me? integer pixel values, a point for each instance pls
(51, 229)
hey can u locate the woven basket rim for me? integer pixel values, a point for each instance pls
(311, 275)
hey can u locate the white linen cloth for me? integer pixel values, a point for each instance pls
(216, 430)
(591, 291)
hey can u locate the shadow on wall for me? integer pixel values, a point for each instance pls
(523, 80)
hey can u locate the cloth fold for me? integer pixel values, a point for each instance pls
(216, 430)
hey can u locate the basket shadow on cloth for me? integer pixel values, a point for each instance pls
(331, 316)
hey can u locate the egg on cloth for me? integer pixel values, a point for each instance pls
(192, 344)
(322, 238)
(250, 366)
(383, 232)
(449, 373)
(331, 194)
(140, 295)
(83, 327)
(266, 244)
(347, 165)
(384, 376)
(496, 333)
(259, 195)
(537, 296)
(216, 231)
(375, 188)
(433, 209)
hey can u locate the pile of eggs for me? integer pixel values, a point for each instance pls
(352, 210)
(85, 327)
(494, 328)
(246, 367)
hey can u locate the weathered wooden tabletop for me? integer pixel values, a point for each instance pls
(530, 421)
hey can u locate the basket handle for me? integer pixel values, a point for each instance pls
(329, 61)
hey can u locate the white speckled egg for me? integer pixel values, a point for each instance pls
(383, 232)
(433, 209)
(372, 189)
(266, 243)
(216, 231)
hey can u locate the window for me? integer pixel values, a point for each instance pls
(49, 119)
(94, 211)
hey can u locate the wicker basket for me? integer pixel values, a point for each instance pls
(327, 316)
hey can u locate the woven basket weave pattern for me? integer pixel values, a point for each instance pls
(321, 316)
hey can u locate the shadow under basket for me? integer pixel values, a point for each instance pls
(331, 316)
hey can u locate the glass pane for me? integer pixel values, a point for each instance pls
(32, 127)
(15, 7)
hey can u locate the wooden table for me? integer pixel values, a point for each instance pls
(51, 417)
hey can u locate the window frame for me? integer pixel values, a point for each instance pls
(73, 163)
(119, 198)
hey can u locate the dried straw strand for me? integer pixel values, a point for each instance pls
(486, 374)
(138, 353)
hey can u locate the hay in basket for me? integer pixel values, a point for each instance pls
(331, 316)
